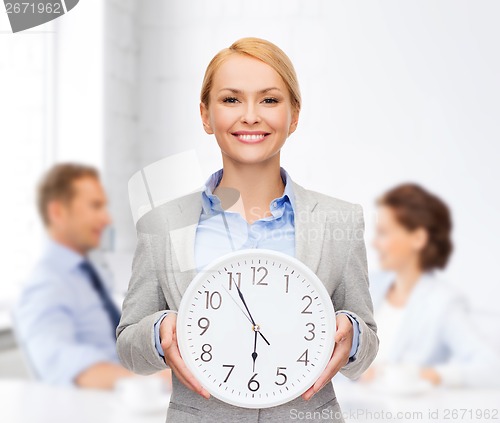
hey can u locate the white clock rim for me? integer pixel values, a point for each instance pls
(181, 322)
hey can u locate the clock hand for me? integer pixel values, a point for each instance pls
(246, 315)
(254, 354)
(244, 303)
(250, 314)
(264, 338)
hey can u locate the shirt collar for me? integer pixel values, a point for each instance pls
(61, 256)
(211, 203)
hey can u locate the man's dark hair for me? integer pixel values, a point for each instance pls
(57, 184)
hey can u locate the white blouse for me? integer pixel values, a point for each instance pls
(388, 318)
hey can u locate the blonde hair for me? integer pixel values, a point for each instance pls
(260, 49)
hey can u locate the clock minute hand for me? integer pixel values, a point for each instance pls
(254, 354)
(244, 303)
(250, 314)
(244, 314)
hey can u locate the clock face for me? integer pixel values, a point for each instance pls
(256, 328)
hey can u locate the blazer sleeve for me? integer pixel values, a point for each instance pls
(144, 304)
(354, 298)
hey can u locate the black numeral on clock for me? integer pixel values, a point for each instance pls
(303, 358)
(230, 371)
(311, 331)
(231, 280)
(206, 355)
(281, 374)
(203, 323)
(261, 280)
(307, 298)
(253, 385)
(287, 277)
(214, 300)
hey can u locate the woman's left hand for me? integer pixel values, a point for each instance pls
(428, 373)
(340, 356)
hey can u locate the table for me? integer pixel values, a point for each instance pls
(25, 401)
(362, 403)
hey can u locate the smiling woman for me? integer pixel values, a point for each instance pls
(257, 107)
(250, 101)
(250, 94)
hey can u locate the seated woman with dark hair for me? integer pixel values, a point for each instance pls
(423, 321)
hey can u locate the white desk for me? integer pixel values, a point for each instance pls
(445, 405)
(33, 402)
(25, 401)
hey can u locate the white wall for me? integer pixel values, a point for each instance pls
(122, 144)
(78, 86)
(392, 91)
(51, 107)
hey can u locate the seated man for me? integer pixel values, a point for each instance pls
(65, 318)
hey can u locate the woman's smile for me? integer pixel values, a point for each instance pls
(250, 137)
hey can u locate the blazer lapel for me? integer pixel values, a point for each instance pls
(309, 228)
(309, 234)
(182, 233)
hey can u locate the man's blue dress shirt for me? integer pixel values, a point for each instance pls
(60, 319)
(219, 232)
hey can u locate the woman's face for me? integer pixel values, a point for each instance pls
(250, 111)
(397, 246)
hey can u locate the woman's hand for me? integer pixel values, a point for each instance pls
(340, 356)
(428, 373)
(369, 375)
(388, 373)
(166, 375)
(168, 336)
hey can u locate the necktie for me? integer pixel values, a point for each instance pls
(109, 306)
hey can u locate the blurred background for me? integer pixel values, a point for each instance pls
(392, 91)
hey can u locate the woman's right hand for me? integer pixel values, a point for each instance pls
(168, 336)
(369, 375)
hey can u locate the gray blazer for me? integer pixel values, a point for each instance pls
(328, 239)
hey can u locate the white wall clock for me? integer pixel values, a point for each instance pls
(256, 327)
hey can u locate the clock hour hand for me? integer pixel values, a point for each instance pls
(254, 354)
(255, 329)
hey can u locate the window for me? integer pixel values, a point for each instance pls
(51, 108)
(26, 84)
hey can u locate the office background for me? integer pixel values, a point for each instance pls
(392, 92)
